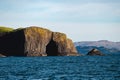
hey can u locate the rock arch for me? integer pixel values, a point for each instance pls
(36, 41)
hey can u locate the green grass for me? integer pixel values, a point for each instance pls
(5, 29)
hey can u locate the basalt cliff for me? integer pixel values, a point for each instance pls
(36, 41)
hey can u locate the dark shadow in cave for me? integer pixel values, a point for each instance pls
(52, 49)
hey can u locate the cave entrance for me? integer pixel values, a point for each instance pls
(52, 49)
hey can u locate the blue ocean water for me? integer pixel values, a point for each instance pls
(60, 68)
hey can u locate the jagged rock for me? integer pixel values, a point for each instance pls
(36, 41)
(95, 52)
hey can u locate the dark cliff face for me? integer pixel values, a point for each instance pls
(11, 44)
(36, 41)
(95, 52)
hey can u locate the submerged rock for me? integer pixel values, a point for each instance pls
(36, 41)
(95, 52)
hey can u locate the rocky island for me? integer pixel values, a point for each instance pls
(94, 52)
(36, 41)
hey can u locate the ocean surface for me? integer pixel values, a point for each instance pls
(60, 68)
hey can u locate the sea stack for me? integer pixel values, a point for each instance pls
(95, 52)
(36, 41)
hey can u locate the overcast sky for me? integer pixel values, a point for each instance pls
(81, 20)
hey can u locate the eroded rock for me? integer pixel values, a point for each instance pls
(36, 41)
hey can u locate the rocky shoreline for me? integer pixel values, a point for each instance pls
(37, 41)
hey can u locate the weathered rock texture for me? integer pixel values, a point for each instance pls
(95, 52)
(36, 41)
(71, 48)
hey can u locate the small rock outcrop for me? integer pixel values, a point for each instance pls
(95, 52)
(36, 41)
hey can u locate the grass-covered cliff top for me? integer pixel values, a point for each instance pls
(33, 30)
(5, 29)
